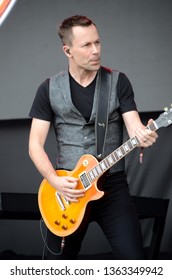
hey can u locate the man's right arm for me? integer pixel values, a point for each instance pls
(38, 134)
(64, 185)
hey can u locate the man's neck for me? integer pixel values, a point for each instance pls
(83, 77)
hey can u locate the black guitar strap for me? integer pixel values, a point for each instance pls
(101, 123)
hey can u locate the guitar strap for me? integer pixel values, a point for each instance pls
(101, 122)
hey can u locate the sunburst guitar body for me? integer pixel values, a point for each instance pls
(62, 217)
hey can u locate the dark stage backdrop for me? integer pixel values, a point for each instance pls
(136, 39)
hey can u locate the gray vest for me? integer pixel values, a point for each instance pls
(76, 137)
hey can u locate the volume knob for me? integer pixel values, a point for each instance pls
(64, 227)
(72, 221)
(57, 222)
(64, 216)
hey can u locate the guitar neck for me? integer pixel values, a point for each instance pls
(105, 164)
(153, 126)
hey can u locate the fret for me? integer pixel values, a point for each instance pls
(126, 148)
(99, 170)
(119, 153)
(89, 177)
(92, 175)
(152, 126)
(115, 159)
(115, 156)
(110, 160)
(123, 151)
(106, 163)
(95, 172)
(103, 166)
(130, 145)
(134, 141)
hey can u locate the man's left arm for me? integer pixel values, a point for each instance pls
(135, 127)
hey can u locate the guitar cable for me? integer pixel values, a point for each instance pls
(141, 155)
(44, 238)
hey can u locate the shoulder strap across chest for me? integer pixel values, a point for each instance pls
(106, 77)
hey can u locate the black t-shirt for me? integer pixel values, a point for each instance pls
(82, 97)
(41, 107)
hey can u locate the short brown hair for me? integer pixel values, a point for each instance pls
(65, 29)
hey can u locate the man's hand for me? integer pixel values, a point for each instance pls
(66, 186)
(145, 136)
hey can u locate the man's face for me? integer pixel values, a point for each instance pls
(86, 48)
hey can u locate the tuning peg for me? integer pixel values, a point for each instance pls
(166, 109)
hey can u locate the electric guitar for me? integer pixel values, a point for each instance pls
(63, 217)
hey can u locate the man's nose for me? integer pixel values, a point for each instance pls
(95, 48)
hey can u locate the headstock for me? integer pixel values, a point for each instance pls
(164, 119)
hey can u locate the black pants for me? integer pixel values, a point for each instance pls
(116, 215)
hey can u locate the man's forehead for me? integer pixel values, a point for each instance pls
(85, 33)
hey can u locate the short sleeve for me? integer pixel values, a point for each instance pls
(125, 94)
(41, 107)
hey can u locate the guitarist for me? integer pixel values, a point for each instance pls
(68, 100)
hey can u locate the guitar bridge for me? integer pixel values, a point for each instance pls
(60, 201)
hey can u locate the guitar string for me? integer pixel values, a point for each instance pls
(45, 243)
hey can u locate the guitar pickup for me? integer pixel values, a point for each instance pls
(84, 180)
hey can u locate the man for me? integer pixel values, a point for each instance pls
(69, 100)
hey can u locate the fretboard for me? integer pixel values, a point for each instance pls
(112, 159)
(104, 165)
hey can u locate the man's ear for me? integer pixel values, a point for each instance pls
(66, 50)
